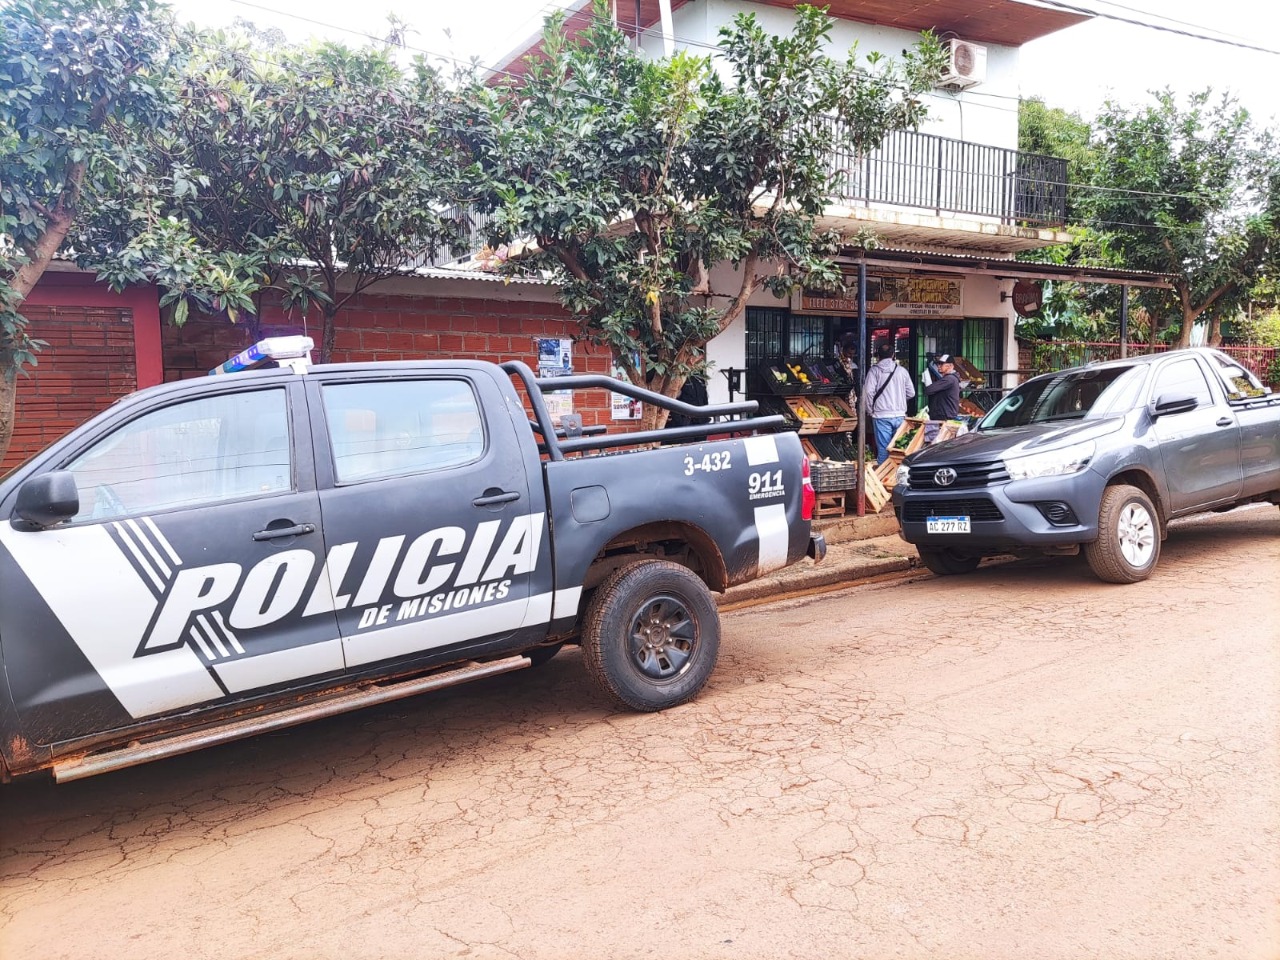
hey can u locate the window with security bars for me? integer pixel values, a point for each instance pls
(766, 327)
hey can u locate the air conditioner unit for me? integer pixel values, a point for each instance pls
(966, 64)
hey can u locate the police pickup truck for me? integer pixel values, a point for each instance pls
(1097, 458)
(219, 557)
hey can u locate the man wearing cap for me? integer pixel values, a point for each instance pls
(944, 391)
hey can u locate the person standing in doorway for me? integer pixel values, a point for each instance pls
(944, 391)
(847, 357)
(886, 390)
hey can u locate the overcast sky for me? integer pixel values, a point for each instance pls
(1075, 68)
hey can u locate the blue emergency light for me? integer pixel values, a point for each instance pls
(282, 349)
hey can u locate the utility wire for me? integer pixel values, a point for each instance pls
(1087, 11)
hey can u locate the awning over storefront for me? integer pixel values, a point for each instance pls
(976, 264)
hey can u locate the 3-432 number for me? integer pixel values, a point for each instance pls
(710, 463)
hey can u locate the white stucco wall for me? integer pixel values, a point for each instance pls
(986, 113)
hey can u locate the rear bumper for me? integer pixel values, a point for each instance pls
(817, 547)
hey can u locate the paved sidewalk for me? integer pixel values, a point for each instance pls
(857, 548)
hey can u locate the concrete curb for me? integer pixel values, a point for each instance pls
(858, 548)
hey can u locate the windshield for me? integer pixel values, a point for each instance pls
(1073, 395)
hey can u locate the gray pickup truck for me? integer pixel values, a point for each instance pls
(1097, 458)
(220, 557)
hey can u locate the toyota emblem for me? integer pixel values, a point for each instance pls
(944, 477)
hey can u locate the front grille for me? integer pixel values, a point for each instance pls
(916, 510)
(967, 475)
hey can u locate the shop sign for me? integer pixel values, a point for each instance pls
(891, 295)
(1028, 295)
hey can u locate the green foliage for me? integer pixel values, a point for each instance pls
(316, 164)
(1190, 191)
(1054, 132)
(634, 176)
(1273, 370)
(77, 81)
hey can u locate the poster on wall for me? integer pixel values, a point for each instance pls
(555, 359)
(624, 407)
(890, 295)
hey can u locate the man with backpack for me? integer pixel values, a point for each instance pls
(886, 391)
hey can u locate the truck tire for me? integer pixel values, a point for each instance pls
(946, 561)
(652, 635)
(1128, 543)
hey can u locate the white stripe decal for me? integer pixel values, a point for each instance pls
(202, 622)
(762, 449)
(200, 642)
(539, 610)
(292, 663)
(774, 534)
(165, 569)
(235, 641)
(126, 537)
(403, 639)
(105, 606)
(164, 542)
(566, 603)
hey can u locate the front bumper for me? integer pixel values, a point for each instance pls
(1005, 515)
(817, 547)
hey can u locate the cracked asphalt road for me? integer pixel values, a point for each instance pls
(1021, 762)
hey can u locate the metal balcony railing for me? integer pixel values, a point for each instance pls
(942, 175)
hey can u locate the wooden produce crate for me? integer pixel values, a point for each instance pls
(829, 505)
(909, 437)
(810, 420)
(847, 418)
(874, 493)
(889, 469)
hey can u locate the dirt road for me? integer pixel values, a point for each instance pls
(1020, 763)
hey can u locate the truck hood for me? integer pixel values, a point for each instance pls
(989, 445)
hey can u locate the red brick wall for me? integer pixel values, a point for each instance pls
(87, 365)
(375, 327)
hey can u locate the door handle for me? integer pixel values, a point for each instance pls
(1225, 421)
(276, 533)
(502, 496)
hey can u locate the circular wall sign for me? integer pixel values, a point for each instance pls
(1028, 296)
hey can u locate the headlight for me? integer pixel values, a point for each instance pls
(1055, 463)
(903, 477)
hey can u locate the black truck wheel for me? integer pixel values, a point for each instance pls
(947, 561)
(652, 635)
(1128, 543)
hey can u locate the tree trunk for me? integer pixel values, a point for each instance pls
(328, 334)
(1214, 338)
(1188, 324)
(8, 394)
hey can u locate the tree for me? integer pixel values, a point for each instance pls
(1192, 192)
(78, 80)
(1055, 132)
(635, 176)
(317, 171)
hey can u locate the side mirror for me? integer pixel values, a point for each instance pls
(48, 499)
(1168, 403)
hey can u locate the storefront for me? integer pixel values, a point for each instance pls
(925, 304)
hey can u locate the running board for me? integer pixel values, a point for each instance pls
(77, 768)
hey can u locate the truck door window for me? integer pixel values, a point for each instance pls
(1183, 377)
(202, 451)
(387, 428)
(1238, 382)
